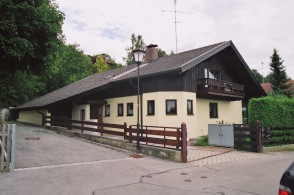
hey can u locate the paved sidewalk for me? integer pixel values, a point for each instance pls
(212, 155)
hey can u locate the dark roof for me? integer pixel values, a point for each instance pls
(178, 62)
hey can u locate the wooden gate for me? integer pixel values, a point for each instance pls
(7, 146)
(248, 138)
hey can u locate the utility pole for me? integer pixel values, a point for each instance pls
(262, 72)
(175, 12)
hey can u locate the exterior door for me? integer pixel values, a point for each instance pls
(100, 113)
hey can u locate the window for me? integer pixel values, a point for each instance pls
(120, 109)
(190, 107)
(150, 107)
(94, 111)
(171, 107)
(130, 109)
(107, 110)
(212, 74)
(213, 112)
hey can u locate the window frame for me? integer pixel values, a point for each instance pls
(213, 105)
(152, 103)
(107, 107)
(122, 109)
(191, 110)
(212, 74)
(167, 112)
(128, 110)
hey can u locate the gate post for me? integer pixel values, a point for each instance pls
(184, 142)
(259, 136)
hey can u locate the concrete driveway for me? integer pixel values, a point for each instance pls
(64, 165)
(37, 147)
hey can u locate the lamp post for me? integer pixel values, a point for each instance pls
(138, 57)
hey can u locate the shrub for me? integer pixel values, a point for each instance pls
(279, 137)
(275, 112)
(202, 141)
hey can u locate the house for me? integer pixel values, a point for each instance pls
(267, 87)
(203, 86)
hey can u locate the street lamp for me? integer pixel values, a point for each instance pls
(138, 57)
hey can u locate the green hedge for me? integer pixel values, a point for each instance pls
(279, 137)
(275, 112)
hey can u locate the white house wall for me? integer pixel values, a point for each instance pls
(229, 112)
(32, 116)
(197, 124)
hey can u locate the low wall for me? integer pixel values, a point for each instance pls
(162, 153)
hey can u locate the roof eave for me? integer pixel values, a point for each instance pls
(248, 69)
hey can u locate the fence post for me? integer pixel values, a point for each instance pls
(259, 136)
(82, 129)
(130, 134)
(8, 146)
(125, 130)
(184, 142)
(12, 160)
(3, 148)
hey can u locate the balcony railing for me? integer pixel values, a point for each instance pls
(208, 86)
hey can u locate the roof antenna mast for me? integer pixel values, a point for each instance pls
(175, 12)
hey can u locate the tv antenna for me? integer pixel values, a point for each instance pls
(175, 12)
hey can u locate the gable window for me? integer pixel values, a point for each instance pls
(150, 107)
(120, 109)
(190, 107)
(130, 109)
(212, 74)
(213, 111)
(107, 110)
(94, 111)
(171, 107)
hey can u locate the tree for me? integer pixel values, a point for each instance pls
(278, 78)
(28, 32)
(27, 29)
(137, 43)
(101, 64)
(66, 65)
(111, 62)
(161, 53)
(257, 75)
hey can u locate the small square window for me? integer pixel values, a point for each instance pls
(213, 111)
(171, 107)
(130, 109)
(107, 110)
(190, 107)
(120, 109)
(150, 107)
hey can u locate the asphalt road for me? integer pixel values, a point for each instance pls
(55, 164)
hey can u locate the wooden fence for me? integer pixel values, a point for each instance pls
(7, 146)
(248, 138)
(166, 137)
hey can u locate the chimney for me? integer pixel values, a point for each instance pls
(151, 53)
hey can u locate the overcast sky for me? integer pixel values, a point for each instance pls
(255, 27)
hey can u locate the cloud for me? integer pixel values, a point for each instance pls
(254, 27)
(114, 33)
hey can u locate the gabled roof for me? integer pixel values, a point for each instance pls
(180, 62)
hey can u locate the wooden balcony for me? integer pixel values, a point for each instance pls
(213, 87)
